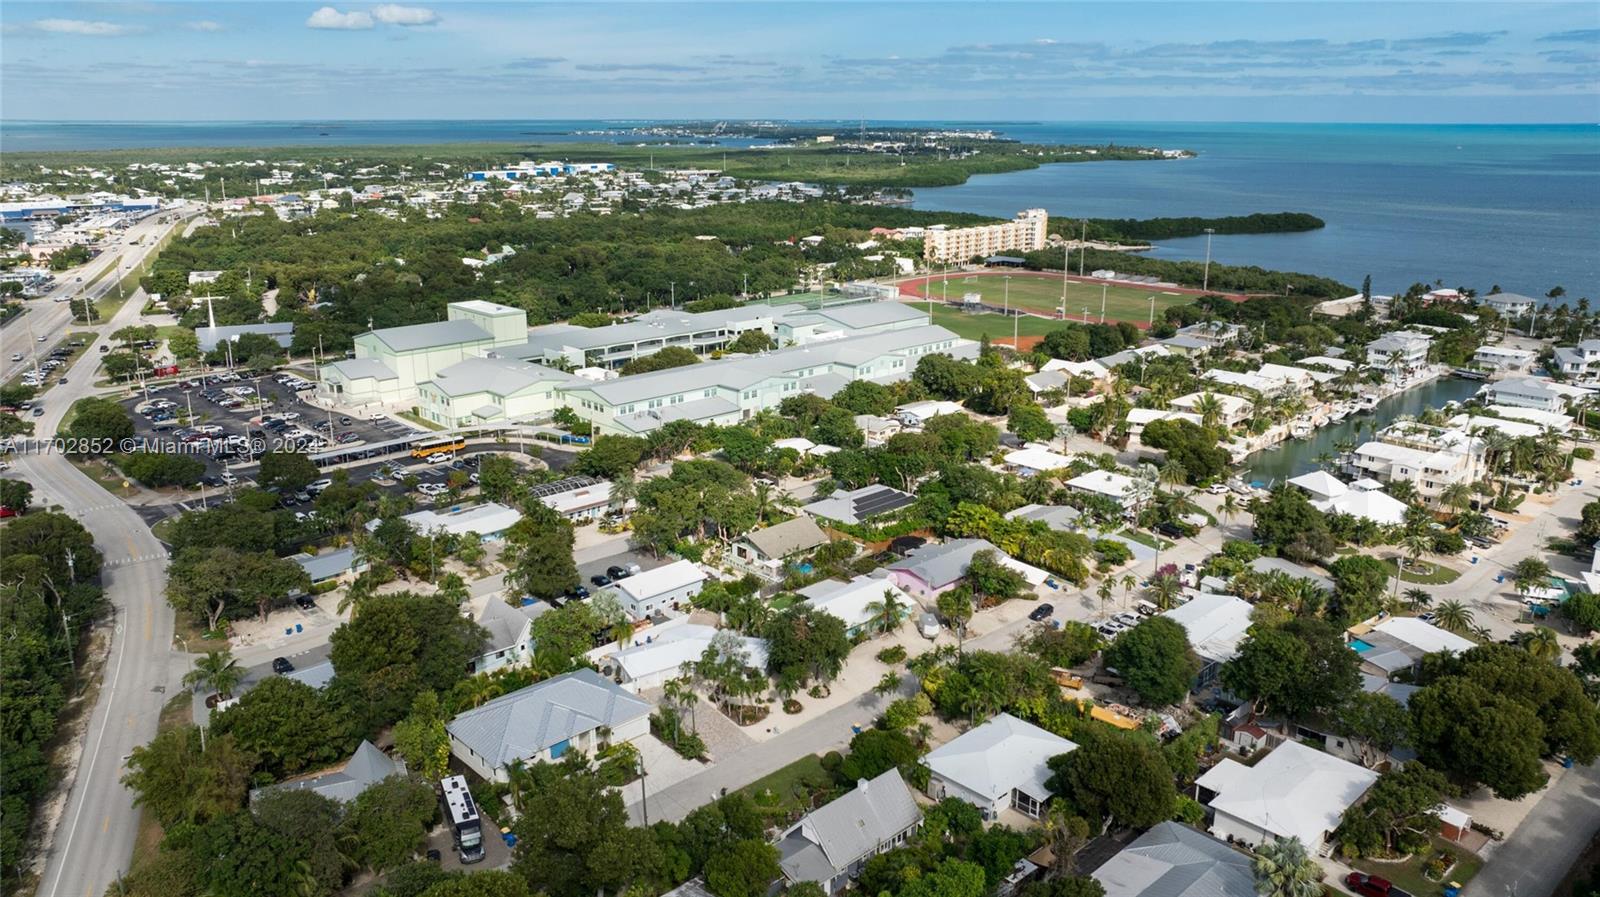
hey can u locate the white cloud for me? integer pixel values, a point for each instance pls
(80, 26)
(329, 18)
(395, 14)
(205, 25)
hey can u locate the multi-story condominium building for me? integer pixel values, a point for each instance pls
(1528, 392)
(728, 390)
(1024, 233)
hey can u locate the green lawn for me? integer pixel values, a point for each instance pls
(1042, 293)
(1439, 574)
(1144, 538)
(976, 326)
(1408, 875)
(789, 790)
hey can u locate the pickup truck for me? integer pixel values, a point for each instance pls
(1372, 886)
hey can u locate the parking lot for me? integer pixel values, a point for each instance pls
(598, 567)
(231, 417)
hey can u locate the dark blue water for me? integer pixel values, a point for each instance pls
(1473, 205)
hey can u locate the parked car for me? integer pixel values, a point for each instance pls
(577, 593)
(617, 572)
(1372, 886)
(1041, 613)
(600, 580)
(281, 665)
(1218, 488)
(432, 490)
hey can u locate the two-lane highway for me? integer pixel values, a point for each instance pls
(94, 840)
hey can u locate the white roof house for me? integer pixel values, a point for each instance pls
(998, 765)
(585, 501)
(1116, 486)
(488, 520)
(1037, 460)
(915, 414)
(645, 593)
(1424, 637)
(1216, 624)
(662, 652)
(1378, 507)
(1319, 485)
(848, 600)
(1294, 792)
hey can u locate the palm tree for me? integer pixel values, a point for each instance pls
(1457, 496)
(1454, 616)
(1530, 573)
(1164, 590)
(1104, 592)
(1542, 643)
(1282, 868)
(624, 488)
(1128, 582)
(483, 689)
(887, 614)
(1416, 598)
(219, 670)
(1173, 474)
(1209, 407)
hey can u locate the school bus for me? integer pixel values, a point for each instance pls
(426, 448)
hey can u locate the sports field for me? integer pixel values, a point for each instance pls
(1041, 294)
(996, 327)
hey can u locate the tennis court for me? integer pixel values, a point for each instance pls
(1041, 294)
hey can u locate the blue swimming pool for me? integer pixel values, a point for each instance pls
(1359, 646)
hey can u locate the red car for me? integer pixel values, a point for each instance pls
(7, 512)
(1372, 886)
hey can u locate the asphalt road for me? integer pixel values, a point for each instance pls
(51, 319)
(94, 840)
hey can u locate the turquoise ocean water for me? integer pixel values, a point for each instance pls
(1471, 205)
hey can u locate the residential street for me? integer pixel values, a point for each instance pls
(1533, 859)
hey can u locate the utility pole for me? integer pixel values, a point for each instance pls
(1066, 266)
(673, 286)
(66, 631)
(1083, 246)
(1205, 281)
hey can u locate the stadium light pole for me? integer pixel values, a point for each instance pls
(1152, 310)
(1205, 280)
(1007, 292)
(1066, 265)
(1103, 288)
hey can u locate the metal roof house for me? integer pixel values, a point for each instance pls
(849, 601)
(764, 551)
(1294, 792)
(330, 564)
(211, 337)
(366, 767)
(1173, 860)
(931, 570)
(644, 594)
(544, 721)
(999, 765)
(510, 634)
(859, 505)
(832, 843)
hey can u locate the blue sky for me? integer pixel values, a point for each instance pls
(1204, 61)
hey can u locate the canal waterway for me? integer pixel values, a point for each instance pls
(1299, 456)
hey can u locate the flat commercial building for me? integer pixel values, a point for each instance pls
(1024, 233)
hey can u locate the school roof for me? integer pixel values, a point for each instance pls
(531, 720)
(837, 834)
(1004, 753)
(661, 580)
(1216, 624)
(366, 767)
(1173, 860)
(499, 376)
(1295, 791)
(429, 336)
(363, 368)
(789, 537)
